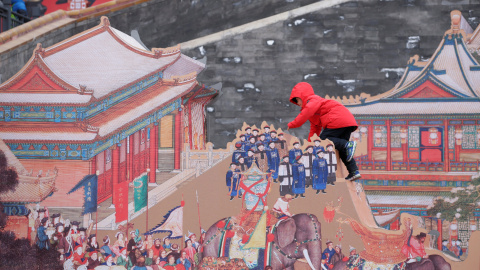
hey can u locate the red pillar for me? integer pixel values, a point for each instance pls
(93, 165)
(370, 136)
(178, 139)
(389, 147)
(115, 170)
(127, 157)
(130, 157)
(190, 125)
(153, 154)
(446, 157)
(157, 143)
(440, 237)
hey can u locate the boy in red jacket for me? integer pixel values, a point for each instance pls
(335, 119)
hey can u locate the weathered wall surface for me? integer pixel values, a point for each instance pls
(160, 23)
(346, 50)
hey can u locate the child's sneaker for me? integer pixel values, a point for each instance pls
(351, 146)
(353, 176)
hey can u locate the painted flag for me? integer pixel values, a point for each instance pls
(172, 223)
(258, 237)
(140, 192)
(121, 203)
(89, 183)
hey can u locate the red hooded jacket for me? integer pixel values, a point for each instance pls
(322, 113)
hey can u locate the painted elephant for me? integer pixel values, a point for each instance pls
(433, 262)
(295, 238)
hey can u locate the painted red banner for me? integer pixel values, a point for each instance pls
(121, 204)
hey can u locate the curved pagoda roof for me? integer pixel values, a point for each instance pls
(436, 86)
(90, 66)
(31, 188)
(101, 67)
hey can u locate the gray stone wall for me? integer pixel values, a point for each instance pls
(346, 50)
(160, 23)
(360, 46)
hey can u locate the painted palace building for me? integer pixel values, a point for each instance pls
(422, 138)
(100, 102)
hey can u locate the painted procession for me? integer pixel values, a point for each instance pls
(117, 174)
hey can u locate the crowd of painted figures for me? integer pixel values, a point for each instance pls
(294, 169)
(79, 249)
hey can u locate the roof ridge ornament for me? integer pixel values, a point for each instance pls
(105, 22)
(159, 52)
(39, 51)
(82, 90)
(457, 29)
(185, 78)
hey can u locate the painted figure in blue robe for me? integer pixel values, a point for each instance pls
(320, 172)
(328, 252)
(317, 147)
(185, 261)
(298, 170)
(250, 158)
(251, 144)
(238, 152)
(243, 141)
(233, 180)
(248, 134)
(294, 153)
(255, 133)
(273, 136)
(273, 160)
(261, 140)
(42, 237)
(266, 131)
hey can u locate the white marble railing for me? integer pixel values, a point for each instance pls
(202, 160)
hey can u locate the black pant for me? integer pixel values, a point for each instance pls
(340, 138)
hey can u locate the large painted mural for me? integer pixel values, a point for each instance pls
(104, 165)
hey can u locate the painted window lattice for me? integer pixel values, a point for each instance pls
(413, 136)
(380, 136)
(451, 137)
(469, 137)
(396, 140)
(198, 115)
(166, 131)
(185, 118)
(464, 232)
(109, 155)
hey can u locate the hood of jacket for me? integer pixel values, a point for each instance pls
(303, 91)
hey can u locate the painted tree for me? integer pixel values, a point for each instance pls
(18, 253)
(460, 203)
(8, 182)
